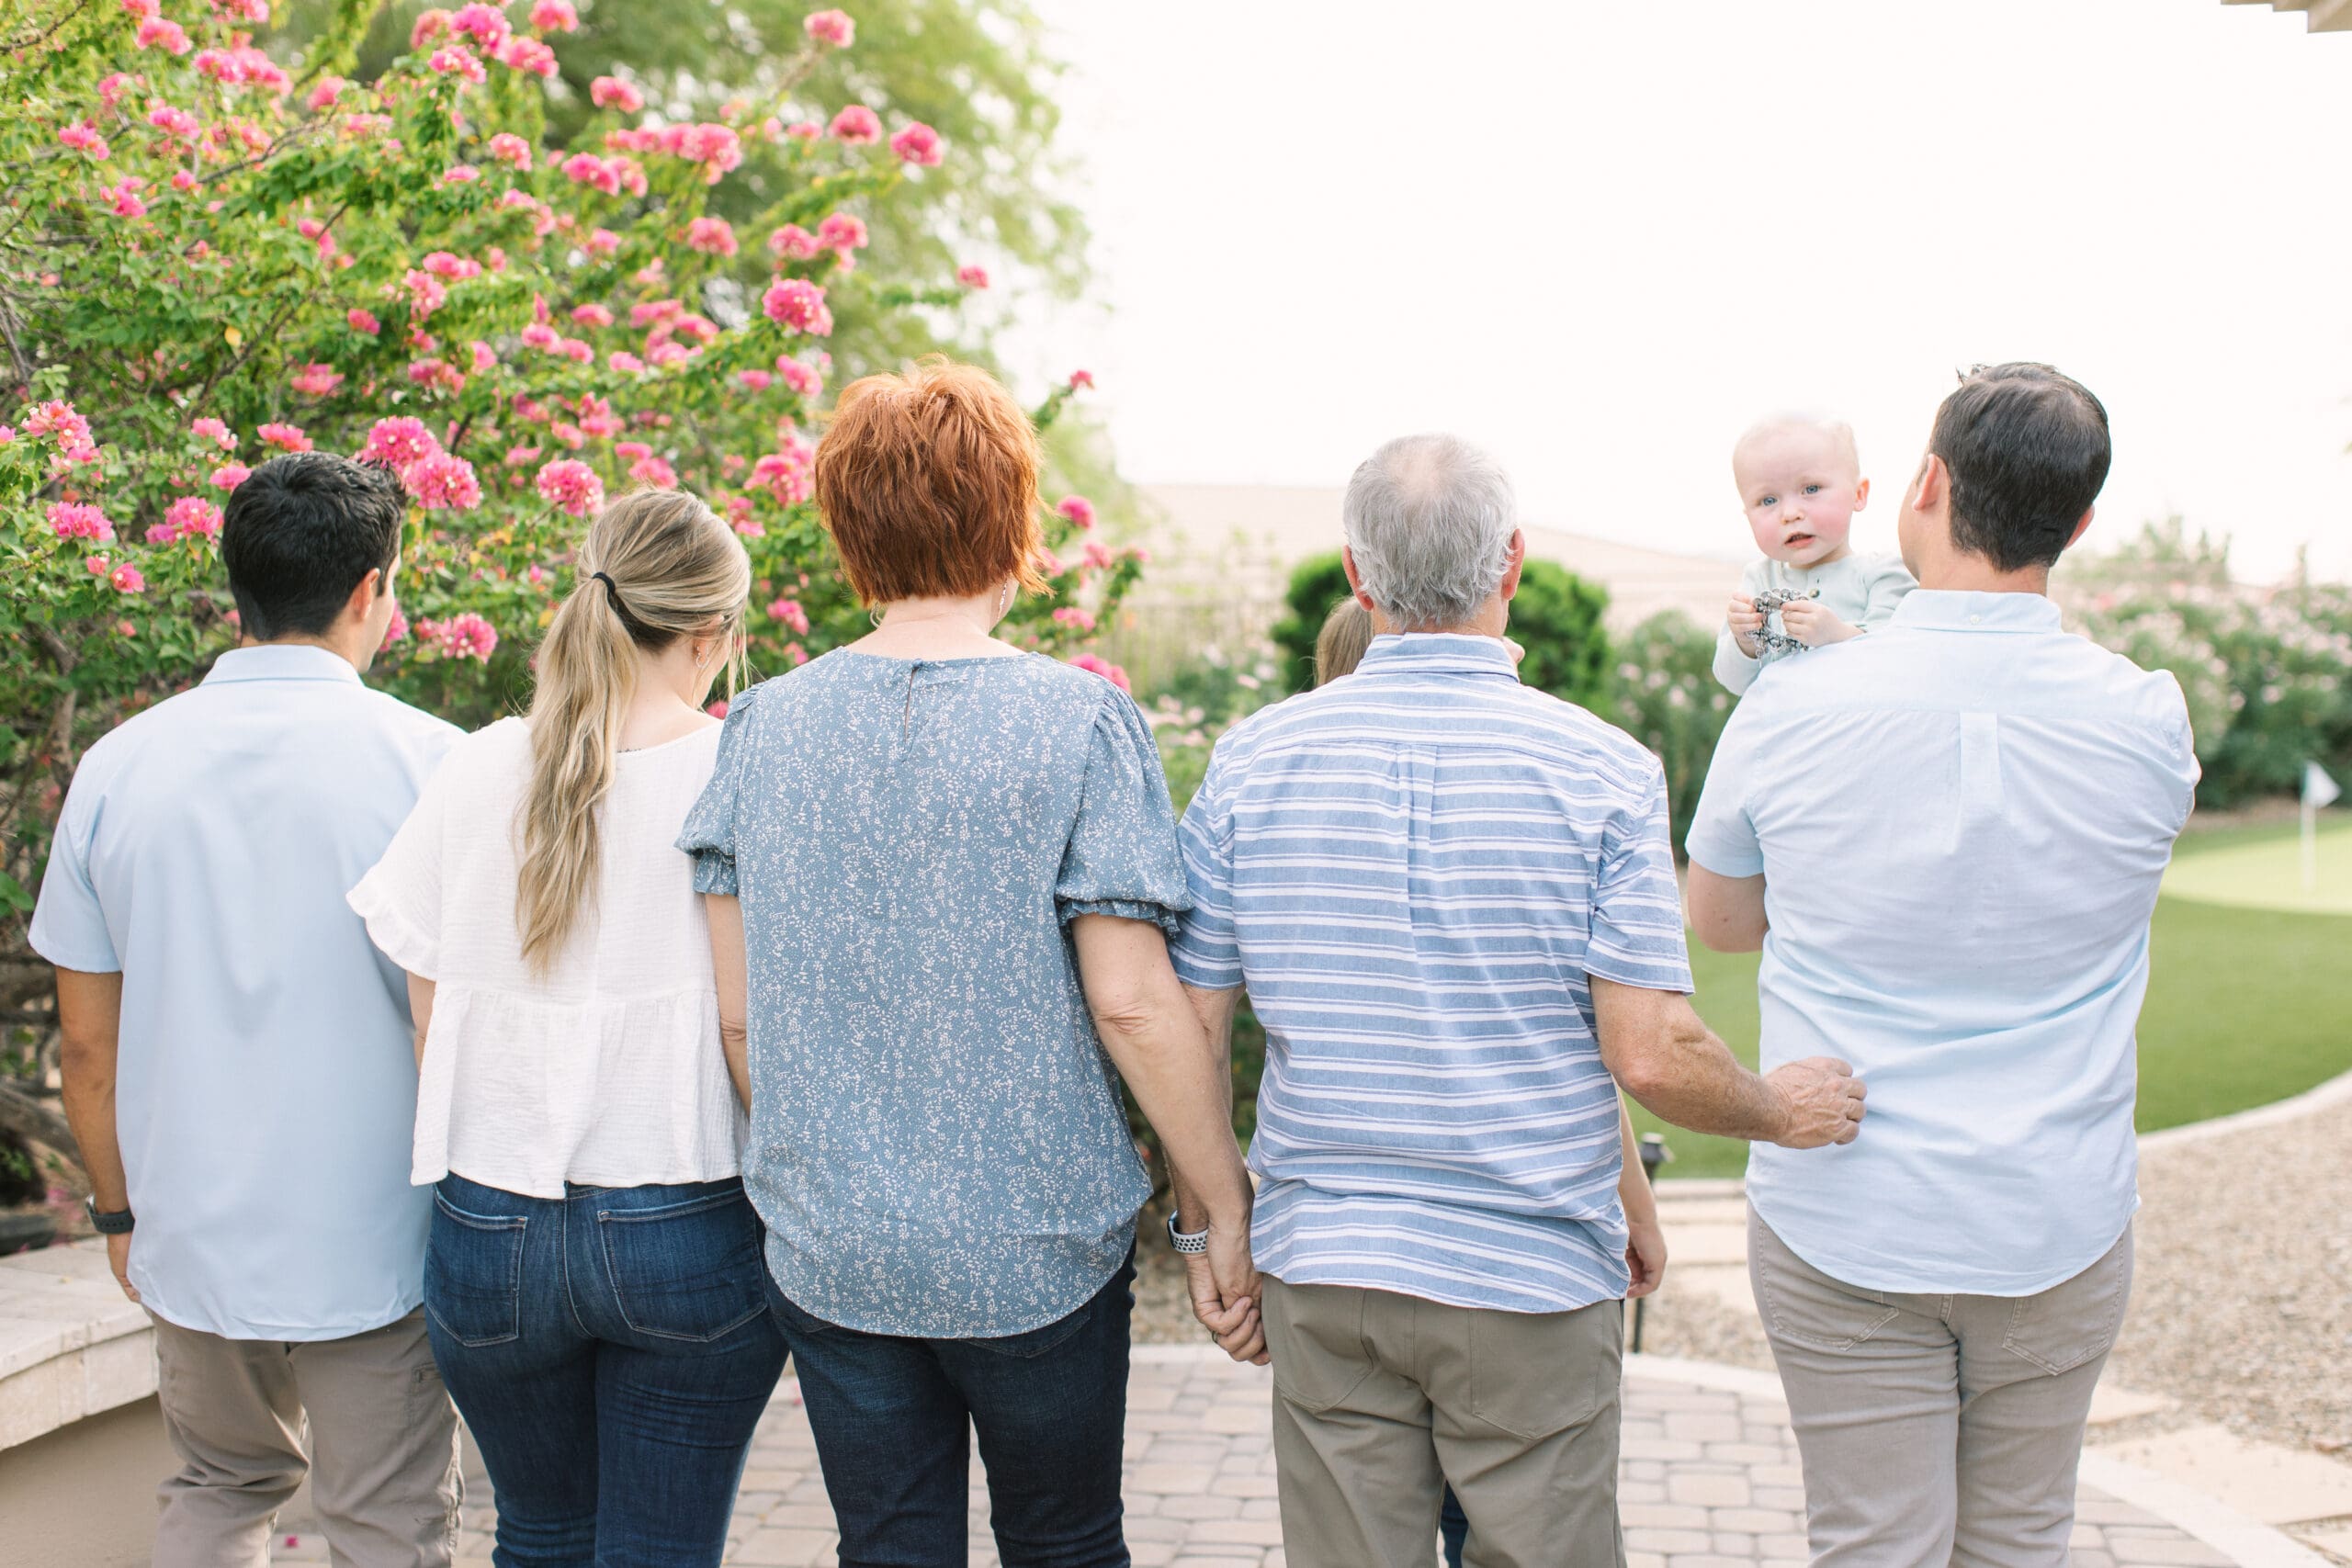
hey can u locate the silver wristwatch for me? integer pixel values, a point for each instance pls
(1196, 1242)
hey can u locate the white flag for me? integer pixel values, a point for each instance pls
(2318, 789)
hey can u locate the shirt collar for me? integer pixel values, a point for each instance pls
(1939, 610)
(282, 662)
(1425, 652)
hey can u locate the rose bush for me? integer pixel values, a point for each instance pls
(212, 252)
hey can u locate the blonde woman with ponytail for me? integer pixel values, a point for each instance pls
(593, 1286)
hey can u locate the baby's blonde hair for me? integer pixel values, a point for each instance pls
(1837, 430)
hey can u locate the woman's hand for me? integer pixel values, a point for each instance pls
(1645, 1256)
(1225, 1289)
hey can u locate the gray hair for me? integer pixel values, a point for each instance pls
(1429, 519)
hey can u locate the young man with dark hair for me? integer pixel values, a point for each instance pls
(238, 1061)
(1948, 838)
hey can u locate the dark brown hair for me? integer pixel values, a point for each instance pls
(2027, 450)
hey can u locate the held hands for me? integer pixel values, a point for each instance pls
(1814, 623)
(1821, 1102)
(1645, 1256)
(1226, 1292)
(1747, 622)
(118, 1259)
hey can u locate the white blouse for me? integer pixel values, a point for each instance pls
(605, 1070)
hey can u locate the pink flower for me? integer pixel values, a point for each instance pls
(797, 305)
(918, 143)
(57, 418)
(436, 373)
(592, 315)
(672, 354)
(840, 232)
(794, 242)
(718, 709)
(833, 27)
(612, 92)
(621, 359)
(972, 277)
(363, 321)
(83, 137)
(587, 169)
(555, 16)
(631, 450)
(229, 476)
(481, 356)
(789, 611)
(538, 334)
(426, 293)
(127, 580)
(113, 85)
(755, 380)
(572, 485)
(716, 147)
(1071, 616)
(284, 437)
(443, 482)
(857, 125)
(528, 54)
(465, 635)
(316, 380)
(804, 130)
(654, 472)
(1104, 667)
(77, 520)
(1078, 509)
(1098, 554)
(160, 534)
(143, 9)
(577, 351)
(398, 442)
(125, 198)
(800, 378)
(192, 517)
(430, 25)
(603, 243)
(1078, 378)
(511, 150)
(157, 33)
(790, 475)
(323, 96)
(182, 180)
(396, 630)
(460, 174)
(486, 25)
(210, 429)
(458, 61)
(712, 236)
(175, 122)
(98, 565)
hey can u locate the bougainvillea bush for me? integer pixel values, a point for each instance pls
(213, 251)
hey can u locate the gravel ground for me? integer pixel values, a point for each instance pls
(2242, 1307)
(1696, 1327)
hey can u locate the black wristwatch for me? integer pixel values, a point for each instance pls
(117, 1222)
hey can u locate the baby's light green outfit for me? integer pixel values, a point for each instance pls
(1862, 590)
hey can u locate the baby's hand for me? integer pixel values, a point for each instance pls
(1814, 623)
(1747, 622)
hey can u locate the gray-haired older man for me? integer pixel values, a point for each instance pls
(1452, 900)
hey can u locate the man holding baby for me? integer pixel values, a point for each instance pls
(1947, 838)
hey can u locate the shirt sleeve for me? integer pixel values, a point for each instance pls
(1723, 836)
(69, 925)
(1121, 859)
(1734, 670)
(1637, 904)
(400, 899)
(709, 832)
(1206, 953)
(1889, 582)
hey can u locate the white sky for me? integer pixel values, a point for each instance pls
(1600, 238)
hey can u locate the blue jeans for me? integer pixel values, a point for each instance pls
(611, 1351)
(892, 1419)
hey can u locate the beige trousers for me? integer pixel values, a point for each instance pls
(382, 1447)
(1938, 1431)
(1381, 1399)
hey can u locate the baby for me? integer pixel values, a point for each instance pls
(1800, 482)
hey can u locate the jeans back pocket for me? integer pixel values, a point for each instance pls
(473, 1275)
(688, 1271)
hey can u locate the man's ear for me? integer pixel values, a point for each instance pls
(1932, 488)
(2081, 528)
(1514, 561)
(1355, 578)
(362, 602)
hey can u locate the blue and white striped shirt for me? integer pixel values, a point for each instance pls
(1413, 870)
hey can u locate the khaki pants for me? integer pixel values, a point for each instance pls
(382, 1441)
(1937, 1431)
(1382, 1399)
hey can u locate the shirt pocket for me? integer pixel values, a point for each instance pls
(689, 1271)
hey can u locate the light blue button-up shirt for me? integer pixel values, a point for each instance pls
(267, 1087)
(1416, 870)
(1962, 820)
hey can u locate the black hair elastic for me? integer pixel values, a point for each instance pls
(629, 624)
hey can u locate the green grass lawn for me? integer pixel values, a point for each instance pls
(2245, 1005)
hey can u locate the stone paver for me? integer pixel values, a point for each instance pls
(1708, 1480)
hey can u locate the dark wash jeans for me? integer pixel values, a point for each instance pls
(893, 1419)
(612, 1352)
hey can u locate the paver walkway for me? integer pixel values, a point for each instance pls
(1710, 1480)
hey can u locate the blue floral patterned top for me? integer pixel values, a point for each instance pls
(937, 1143)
